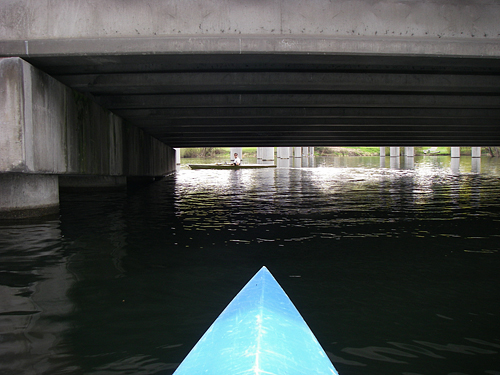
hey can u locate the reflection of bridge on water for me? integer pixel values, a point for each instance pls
(107, 95)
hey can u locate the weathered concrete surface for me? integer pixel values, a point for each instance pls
(49, 128)
(106, 28)
(148, 61)
(24, 19)
(27, 195)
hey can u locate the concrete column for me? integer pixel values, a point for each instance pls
(410, 152)
(297, 152)
(283, 152)
(259, 153)
(47, 129)
(307, 151)
(238, 151)
(476, 152)
(268, 153)
(177, 156)
(455, 152)
(395, 151)
(25, 195)
(382, 151)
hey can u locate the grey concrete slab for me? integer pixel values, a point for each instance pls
(218, 63)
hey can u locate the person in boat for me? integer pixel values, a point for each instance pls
(237, 160)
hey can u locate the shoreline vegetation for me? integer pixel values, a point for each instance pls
(204, 152)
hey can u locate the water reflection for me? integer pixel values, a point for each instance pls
(34, 281)
(394, 269)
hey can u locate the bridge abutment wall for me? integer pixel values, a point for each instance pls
(49, 130)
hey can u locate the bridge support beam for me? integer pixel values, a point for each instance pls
(47, 130)
(410, 152)
(395, 152)
(265, 153)
(455, 152)
(382, 151)
(283, 152)
(28, 195)
(177, 156)
(476, 152)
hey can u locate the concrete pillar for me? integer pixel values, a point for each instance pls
(410, 152)
(177, 156)
(476, 152)
(382, 151)
(236, 150)
(395, 151)
(283, 152)
(297, 152)
(267, 153)
(47, 129)
(455, 152)
(25, 195)
(307, 151)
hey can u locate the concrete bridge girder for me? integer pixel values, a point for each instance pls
(361, 18)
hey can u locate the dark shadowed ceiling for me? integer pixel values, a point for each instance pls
(205, 100)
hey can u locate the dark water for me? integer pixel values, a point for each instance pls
(395, 267)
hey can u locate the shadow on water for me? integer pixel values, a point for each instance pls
(394, 268)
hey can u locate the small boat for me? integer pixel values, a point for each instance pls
(259, 332)
(230, 166)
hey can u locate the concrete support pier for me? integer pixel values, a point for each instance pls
(297, 152)
(47, 130)
(410, 152)
(395, 151)
(28, 195)
(265, 153)
(307, 151)
(177, 156)
(382, 151)
(476, 152)
(283, 152)
(455, 152)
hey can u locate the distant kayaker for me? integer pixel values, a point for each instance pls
(237, 160)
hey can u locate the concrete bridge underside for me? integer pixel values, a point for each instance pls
(298, 99)
(277, 73)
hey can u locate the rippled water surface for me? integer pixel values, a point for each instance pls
(395, 266)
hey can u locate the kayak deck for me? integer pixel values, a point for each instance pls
(230, 166)
(259, 332)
